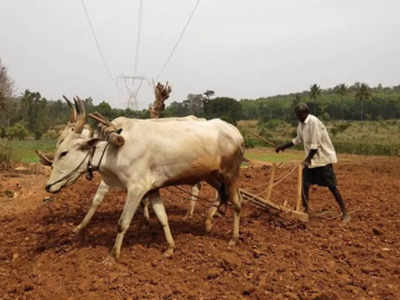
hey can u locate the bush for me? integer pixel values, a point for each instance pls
(5, 154)
(368, 149)
(18, 131)
(2, 132)
(228, 119)
(249, 142)
(325, 116)
(272, 124)
(51, 134)
(339, 128)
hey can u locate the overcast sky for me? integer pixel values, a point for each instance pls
(240, 49)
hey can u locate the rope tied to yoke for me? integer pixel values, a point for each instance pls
(214, 203)
(90, 168)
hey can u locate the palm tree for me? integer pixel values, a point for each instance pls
(341, 89)
(315, 91)
(209, 93)
(363, 93)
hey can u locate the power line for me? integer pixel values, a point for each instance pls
(132, 93)
(138, 38)
(131, 90)
(179, 39)
(97, 41)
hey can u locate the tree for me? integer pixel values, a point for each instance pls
(315, 91)
(195, 104)
(341, 89)
(6, 86)
(6, 90)
(363, 94)
(291, 117)
(18, 131)
(35, 113)
(224, 108)
(208, 94)
(105, 109)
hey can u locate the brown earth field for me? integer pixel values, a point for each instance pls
(278, 257)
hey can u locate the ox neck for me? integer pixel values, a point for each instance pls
(96, 155)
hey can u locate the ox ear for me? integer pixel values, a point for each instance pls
(44, 159)
(89, 143)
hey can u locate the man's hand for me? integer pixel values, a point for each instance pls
(307, 162)
(283, 147)
(280, 148)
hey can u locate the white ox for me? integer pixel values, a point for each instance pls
(155, 154)
(47, 160)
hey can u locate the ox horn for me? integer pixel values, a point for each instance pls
(72, 117)
(81, 119)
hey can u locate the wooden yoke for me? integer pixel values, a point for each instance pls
(161, 93)
(108, 130)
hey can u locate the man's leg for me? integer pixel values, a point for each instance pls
(304, 196)
(340, 202)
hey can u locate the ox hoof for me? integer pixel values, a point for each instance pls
(169, 252)
(233, 242)
(77, 229)
(187, 217)
(208, 225)
(115, 253)
(346, 219)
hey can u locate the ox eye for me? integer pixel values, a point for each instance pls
(63, 154)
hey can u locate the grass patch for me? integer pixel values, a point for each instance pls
(269, 155)
(24, 151)
(354, 137)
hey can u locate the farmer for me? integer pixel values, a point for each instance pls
(320, 155)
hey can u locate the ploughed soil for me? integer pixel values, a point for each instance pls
(278, 257)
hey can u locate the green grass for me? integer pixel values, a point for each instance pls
(353, 137)
(269, 155)
(24, 151)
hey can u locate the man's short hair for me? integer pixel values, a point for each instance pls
(302, 107)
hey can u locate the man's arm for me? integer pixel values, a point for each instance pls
(283, 147)
(307, 161)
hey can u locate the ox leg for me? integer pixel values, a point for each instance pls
(97, 199)
(193, 199)
(159, 210)
(237, 205)
(212, 211)
(133, 199)
(146, 202)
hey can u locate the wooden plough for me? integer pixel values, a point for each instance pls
(268, 204)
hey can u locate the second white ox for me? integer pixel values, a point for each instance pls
(155, 154)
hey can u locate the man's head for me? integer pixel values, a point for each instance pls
(302, 111)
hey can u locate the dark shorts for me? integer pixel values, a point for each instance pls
(323, 176)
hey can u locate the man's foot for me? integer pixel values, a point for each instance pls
(346, 219)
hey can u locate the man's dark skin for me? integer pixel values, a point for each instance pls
(302, 116)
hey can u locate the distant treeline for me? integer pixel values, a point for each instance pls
(36, 114)
(356, 102)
